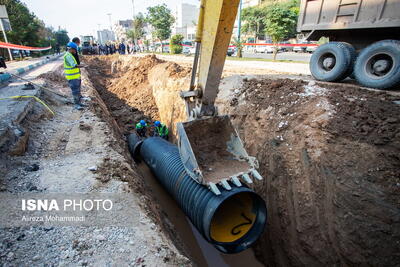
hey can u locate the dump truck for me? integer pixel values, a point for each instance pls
(364, 40)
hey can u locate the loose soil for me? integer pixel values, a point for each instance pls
(81, 151)
(125, 86)
(329, 155)
(209, 139)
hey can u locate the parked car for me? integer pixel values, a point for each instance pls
(284, 48)
(311, 49)
(230, 51)
(299, 49)
(264, 49)
(188, 50)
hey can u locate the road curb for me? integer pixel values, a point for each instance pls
(7, 75)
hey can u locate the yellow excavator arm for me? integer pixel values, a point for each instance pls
(210, 148)
(213, 35)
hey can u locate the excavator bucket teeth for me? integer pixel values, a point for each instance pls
(213, 153)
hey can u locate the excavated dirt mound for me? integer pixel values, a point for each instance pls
(125, 88)
(330, 156)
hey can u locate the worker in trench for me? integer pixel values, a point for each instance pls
(141, 128)
(160, 130)
(73, 74)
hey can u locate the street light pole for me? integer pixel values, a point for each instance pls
(109, 17)
(133, 24)
(5, 38)
(240, 20)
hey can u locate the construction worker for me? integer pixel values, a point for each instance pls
(77, 41)
(141, 128)
(160, 130)
(73, 74)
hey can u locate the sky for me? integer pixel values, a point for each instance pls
(82, 17)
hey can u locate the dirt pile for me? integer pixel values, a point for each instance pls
(125, 86)
(330, 159)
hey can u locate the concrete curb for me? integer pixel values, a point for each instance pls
(6, 76)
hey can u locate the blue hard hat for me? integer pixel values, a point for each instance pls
(142, 122)
(73, 45)
(157, 123)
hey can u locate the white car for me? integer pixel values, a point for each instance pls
(188, 50)
(311, 49)
(264, 49)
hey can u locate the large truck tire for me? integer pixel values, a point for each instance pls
(378, 65)
(332, 62)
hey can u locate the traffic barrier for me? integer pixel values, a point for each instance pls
(23, 47)
(231, 221)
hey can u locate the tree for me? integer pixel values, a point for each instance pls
(24, 24)
(253, 21)
(239, 46)
(176, 44)
(61, 37)
(27, 29)
(280, 22)
(138, 25)
(161, 19)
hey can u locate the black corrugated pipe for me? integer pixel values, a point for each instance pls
(231, 221)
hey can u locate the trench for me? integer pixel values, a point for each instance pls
(200, 251)
(189, 240)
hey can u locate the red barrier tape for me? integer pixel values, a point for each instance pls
(22, 47)
(261, 44)
(303, 45)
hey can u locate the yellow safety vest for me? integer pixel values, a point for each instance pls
(71, 73)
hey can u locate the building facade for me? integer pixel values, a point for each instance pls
(105, 36)
(186, 16)
(120, 28)
(249, 3)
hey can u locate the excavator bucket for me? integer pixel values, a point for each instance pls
(213, 153)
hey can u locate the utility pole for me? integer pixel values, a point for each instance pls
(109, 17)
(240, 20)
(133, 24)
(99, 35)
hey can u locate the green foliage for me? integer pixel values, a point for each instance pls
(280, 21)
(147, 44)
(323, 40)
(161, 19)
(256, 18)
(239, 46)
(253, 21)
(137, 31)
(61, 37)
(29, 30)
(176, 44)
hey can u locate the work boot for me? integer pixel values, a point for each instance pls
(77, 103)
(81, 101)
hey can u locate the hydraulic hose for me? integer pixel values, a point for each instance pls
(231, 221)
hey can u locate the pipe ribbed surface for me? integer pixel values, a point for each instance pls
(231, 221)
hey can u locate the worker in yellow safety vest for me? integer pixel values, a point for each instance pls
(72, 73)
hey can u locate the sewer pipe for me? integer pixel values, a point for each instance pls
(231, 221)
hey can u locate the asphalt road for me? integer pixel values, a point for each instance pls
(305, 57)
